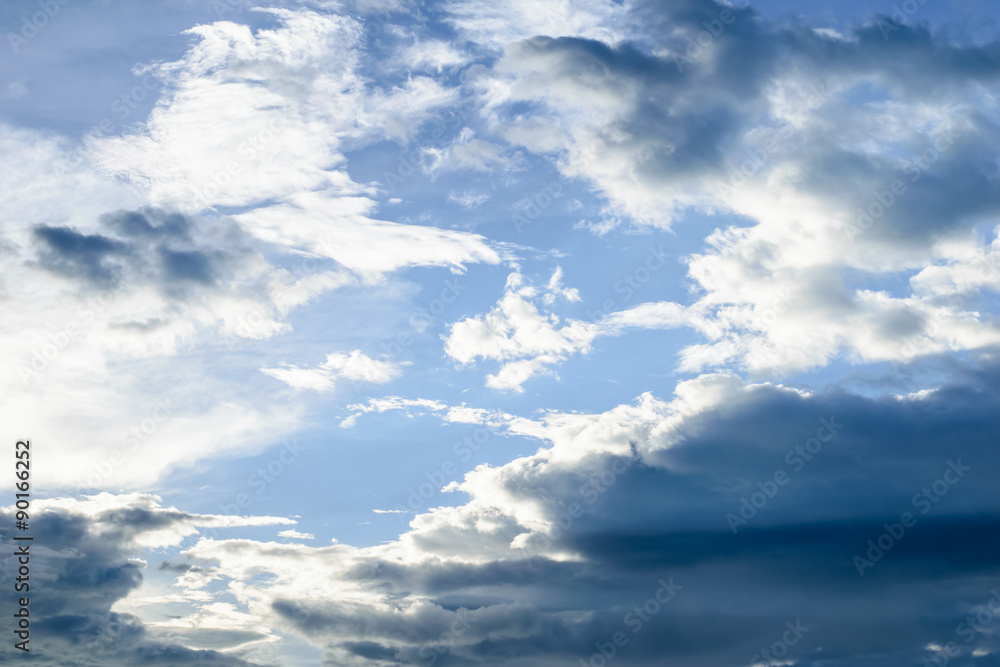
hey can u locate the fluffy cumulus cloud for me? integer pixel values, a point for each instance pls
(528, 342)
(849, 159)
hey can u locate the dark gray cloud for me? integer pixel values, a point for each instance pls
(851, 466)
(80, 566)
(95, 258)
(147, 247)
(708, 74)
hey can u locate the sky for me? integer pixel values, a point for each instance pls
(366, 333)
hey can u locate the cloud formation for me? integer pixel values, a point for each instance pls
(84, 560)
(737, 493)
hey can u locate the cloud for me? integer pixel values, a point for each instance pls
(296, 535)
(285, 103)
(528, 343)
(83, 562)
(843, 167)
(469, 199)
(258, 142)
(513, 329)
(852, 178)
(553, 551)
(355, 366)
(337, 229)
(380, 405)
(138, 261)
(464, 153)
(432, 55)
(418, 407)
(496, 24)
(142, 284)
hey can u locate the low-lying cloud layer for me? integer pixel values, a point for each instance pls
(851, 516)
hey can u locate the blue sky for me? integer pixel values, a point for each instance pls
(380, 332)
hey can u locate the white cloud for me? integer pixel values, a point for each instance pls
(464, 152)
(379, 405)
(355, 366)
(104, 283)
(799, 160)
(501, 22)
(337, 228)
(260, 120)
(469, 199)
(432, 55)
(528, 343)
(296, 535)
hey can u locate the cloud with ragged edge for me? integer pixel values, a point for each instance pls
(161, 271)
(850, 181)
(660, 489)
(85, 559)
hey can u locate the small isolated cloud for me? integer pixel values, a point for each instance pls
(409, 405)
(529, 342)
(356, 366)
(469, 199)
(464, 153)
(296, 535)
